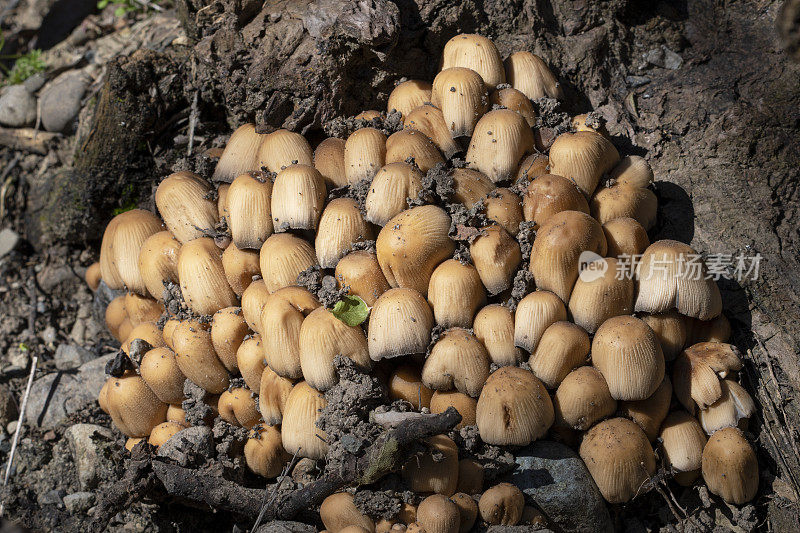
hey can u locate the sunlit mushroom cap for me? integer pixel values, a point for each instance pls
(620, 200)
(458, 361)
(583, 157)
(438, 514)
(549, 194)
(582, 399)
(184, 203)
(338, 512)
(534, 315)
(264, 452)
(455, 293)
(734, 408)
(527, 73)
(502, 504)
(683, 440)
(563, 347)
(633, 170)
(625, 237)
(475, 52)
(409, 95)
(400, 324)
(499, 141)
(698, 370)
(650, 412)
(730, 468)
(299, 432)
(494, 327)
(602, 291)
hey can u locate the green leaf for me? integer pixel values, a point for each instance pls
(351, 310)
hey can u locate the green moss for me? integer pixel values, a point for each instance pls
(382, 464)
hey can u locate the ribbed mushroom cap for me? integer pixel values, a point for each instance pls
(527, 73)
(534, 314)
(299, 432)
(240, 154)
(619, 458)
(163, 432)
(250, 361)
(462, 403)
(621, 200)
(583, 157)
(475, 52)
(409, 95)
(438, 514)
(390, 190)
(499, 141)
(698, 370)
(625, 237)
(626, 351)
(502, 504)
(338, 512)
(281, 149)
(496, 255)
(195, 355)
(340, 226)
(650, 412)
(364, 154)
(204, 286)
(515, 101)
(494, 327)
(281, 321)
(228, 330)
(160, 371)
(715, 330)
(461, 95)
(115, 317)
(184, 203)
(249, 212)
(283, 257)
(362, 274)
(470, 476)
(222, 201)
(264, 452)
(504, 207)
(119, 252)
(467, 511)
(455, 293)
(582, 399)
(273, 395)
(730, 468)
(734, 408)
(92, 276)
(329, 161)
(600, 293)
(133, 407)
(146, 331)
(563, 347)
(458, 361)
(670, 328)
(533, 166)
(158, 262)
(430, 121)
(436, 470)
(549, 194)
(169, 328)
(633, 170)
(141, 309)
(322, 338)
(414, 144)
(469, 186)
(682, 440)
(254, 298)
(671, 275)
(411, 246)
(240, 267)
(298, 197)
(513, 408)
(559, 243)
(405, 383)
(175, 413)
(400, 324)
(237, 406)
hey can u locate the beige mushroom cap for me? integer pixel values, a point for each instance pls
(730, 468)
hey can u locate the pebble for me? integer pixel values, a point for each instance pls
(60, 100)
(663, 57)
(69, 356)
(78, 502)
(558, 482)
(637, 81)
(8, 241)
(17, 107)
(189, 447)
(52, 497)
(87, 442)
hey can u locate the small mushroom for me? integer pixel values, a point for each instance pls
(409, 95)
(329, 161)
(457, 360)
(698, 370)
(282, 149)
(249, 211)
(264, 452)
(527, 73)
(338, 512)
(730, 468)
(563, 347)
(434, 471)
(499, 141)
(400, 324)
(364, 154)
(461, 95)
(475, 52)
(299, 432)
(455, 293)
(502, 504)
(494, 327)
(583, 399)
(438, 514)
(683, 441)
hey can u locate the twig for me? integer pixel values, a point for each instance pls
(274, 493)
(192, 124)
(6, 184)
(27, 139)
(34, 362)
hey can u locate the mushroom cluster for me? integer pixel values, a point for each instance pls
(525, 339)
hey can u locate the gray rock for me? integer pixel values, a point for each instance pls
(637, 81)
(35, 82)
(52, 497)
(8, 241)
(664, 57)
(87, 442)
(558, 482)
(56, 396)
(189, 447)
(78, 502)
(60, 100)
(17, 107)
(69, 356)
(285, 526)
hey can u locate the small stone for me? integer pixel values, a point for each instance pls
(189, 447)
(11, 427)
(636, 81)
(558, 482)
(52, 497)
(78, 502)
(663, 57)
(60, 100)
(8, 241)
(35, 82)
(87, 443)
(17, 107)
(49, 335)
(69, 356)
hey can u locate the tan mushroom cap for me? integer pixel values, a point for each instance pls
(730, 468)
(504, 207)
(237, 406)
(670, 328)
(430, 121)
(409, 143)
(467, 510)
(494, 327)
(563, 347)
(390, 190)
(163, 432)
(455, 293)
(458, 360)
(619, 200)
(626, 237)
(470, 476)
(133, 407)
(513, 408)
(717, 329)
(339, 512)
(602, 291)
(550, 194)
(502, 504)
(158, 262)
(264, 452)
(633, 170)
(626, 351)
(249, 212)
(466, 406)
(196, 358)
(534, 314)
(470, 186)
(240, 154)
(475, 52)
(405, 383)
(204, 286)
(733, 408)
(496, 255)
(436, 470)
(438, 514)
(650, 412)
(697, 372)
(409, 95)
(527, 73)
(462, 96)
(183, 201)
(329, 161)
(400, 324)
(683, 440)
(515, 101)
(364, 154)
(340, 227)
(160, 371)
(582, 399)
(228, 330)
(619, 458)
(240, 267)
(500, 139)
(281, 149)
(533, 166)
(282, 258)
(272, 396)
(583, 157)
(361, 273)
(299, 432)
